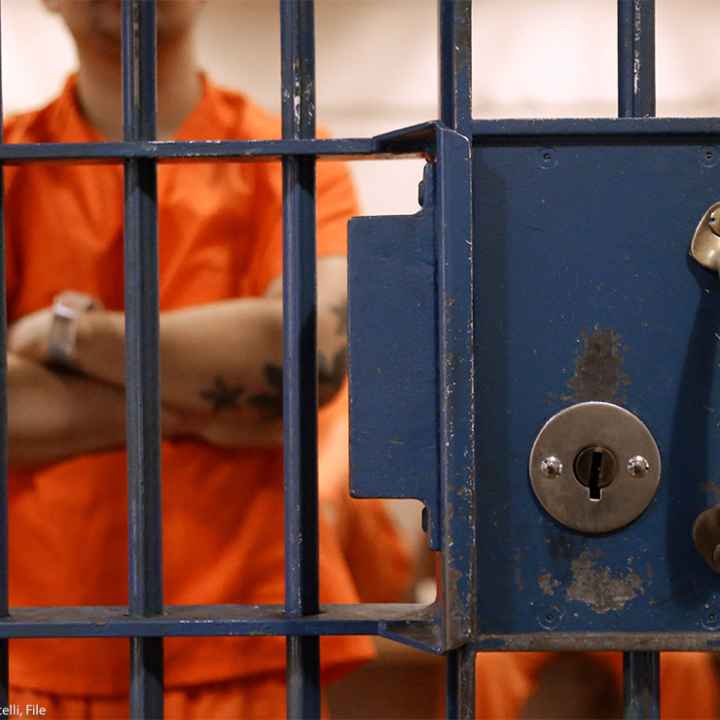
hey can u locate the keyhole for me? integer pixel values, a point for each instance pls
(595, 468)
(596, 472)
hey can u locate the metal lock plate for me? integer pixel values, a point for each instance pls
(595, 467)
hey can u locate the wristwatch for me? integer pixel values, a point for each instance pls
(68, 306)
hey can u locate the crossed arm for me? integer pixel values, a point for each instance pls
(221, 370)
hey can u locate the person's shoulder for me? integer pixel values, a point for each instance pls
(30, 126)
(37, 125)
(23, 127)
(246, 119)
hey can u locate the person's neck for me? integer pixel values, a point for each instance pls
(179, 90)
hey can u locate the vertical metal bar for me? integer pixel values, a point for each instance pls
(641, 671)
(300, 362)
(636, 58)
(461, 684)
(142, 356)
(455, 48)
(636, 98)
(4, 494)
(455, 280)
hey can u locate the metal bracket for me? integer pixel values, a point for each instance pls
(411, 396)
(392, 322)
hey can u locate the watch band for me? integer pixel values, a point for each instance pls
(68, 306)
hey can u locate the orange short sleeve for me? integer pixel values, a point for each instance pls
(336, 204)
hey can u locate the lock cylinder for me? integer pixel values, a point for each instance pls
(595, 467)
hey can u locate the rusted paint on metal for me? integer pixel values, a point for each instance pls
(598, 587)
(453, 579)
(599, 373)
(637, 55)
(574, 642)
(548, 584)
(594, 584)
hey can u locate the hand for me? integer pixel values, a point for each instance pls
(28, 337)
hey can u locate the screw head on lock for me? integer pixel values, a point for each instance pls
(638, 466)
(551, 466)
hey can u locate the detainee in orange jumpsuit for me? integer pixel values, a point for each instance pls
(220, 240)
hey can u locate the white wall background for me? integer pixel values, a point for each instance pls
(377, 64)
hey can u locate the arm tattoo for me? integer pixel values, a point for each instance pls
(222, 396)
(340, 311)
(330, 376)
(271, 403)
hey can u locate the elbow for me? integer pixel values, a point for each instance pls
(332, 369)
(332, 354)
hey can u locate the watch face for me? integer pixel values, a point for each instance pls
(64, 310)
(68, 307)
(70, 304)
(61, 340)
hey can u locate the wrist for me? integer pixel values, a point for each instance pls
(70, 309)
(84, 331)
(99, 344)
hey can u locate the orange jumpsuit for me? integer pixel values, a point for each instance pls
(220, 237)
(689, 686)
(378, 557)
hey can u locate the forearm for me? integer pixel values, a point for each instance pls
(213, 358)
(220, 364)
(53, 417)
(221, 361)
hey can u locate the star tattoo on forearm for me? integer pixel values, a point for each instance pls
(222, 396)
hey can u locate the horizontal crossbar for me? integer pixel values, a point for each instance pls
(210, 621)
(558, 642)
(706, 128)
(204, 150)
(377, 148)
